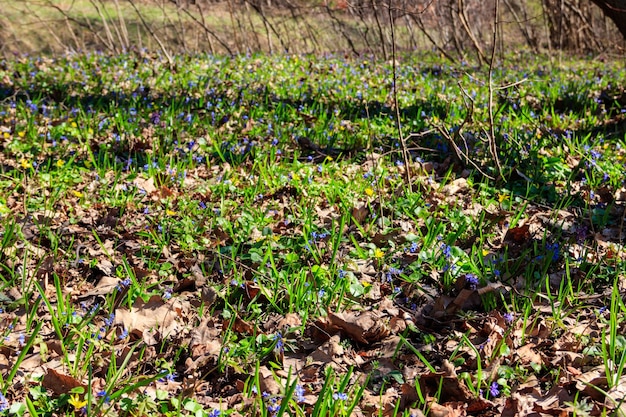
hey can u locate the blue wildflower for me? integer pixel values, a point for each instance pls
(446, 250)
(104, 395)
(299, 393)
(472, 281)
(508, 317)
(554, 248)
(109, 320)
(494, 390)
(167, 294)
(340, 396)
(280, 344)
(4, 403)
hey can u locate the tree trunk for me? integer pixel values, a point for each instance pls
(616, 11)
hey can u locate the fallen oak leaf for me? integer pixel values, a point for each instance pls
(240, 326)
(518, 235)
(60, 383)
(147, 317)
(364, 327)
(448, 387)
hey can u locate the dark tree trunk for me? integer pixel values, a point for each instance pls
(616, 11)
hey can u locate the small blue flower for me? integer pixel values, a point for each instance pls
(215, 413)
(280, 344)
(299, 392)
(124, 334)
(494, 390)
(109, 320)
(273, 408)
(103, 394)
(340, 396)
(122, 284)
(472, 281)
(554, 248)
(446, 250)
(508, 318)
(4, 403)
(167, 294)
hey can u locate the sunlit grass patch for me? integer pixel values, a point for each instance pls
(240, 236)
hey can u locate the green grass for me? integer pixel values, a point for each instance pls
(177, 240)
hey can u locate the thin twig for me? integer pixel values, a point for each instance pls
(492, 130)
(153, 34)
(405, 153)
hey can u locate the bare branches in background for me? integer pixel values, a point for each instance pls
(457, 29)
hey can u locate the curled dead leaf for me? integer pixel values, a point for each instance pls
(364, 327)
(60, 383)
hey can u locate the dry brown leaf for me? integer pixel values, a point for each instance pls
(145, 318)
(240, 326)
(364, 327)
(616, 398)
(553, 401)
(408, 396)
(518, 406)
(60, 383)
(450, 388)
(359, 214)
(379, 404)
(455, 187)
(268, 381)
(330, 349)
(518, 235)
(449, 409)
(528, 354)
(205, 339)
(290, 320)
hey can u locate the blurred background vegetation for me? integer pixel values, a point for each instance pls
(457, 29)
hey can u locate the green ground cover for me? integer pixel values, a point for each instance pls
(249, 236)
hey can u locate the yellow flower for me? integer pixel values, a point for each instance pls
(378, 253)
(21, 134)
(502, 197)
(60, 163)
(369, 191)
(6, 135)
(170, 212)
(25, 163)
(76, 402)
(77, 193)
(73, 124)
